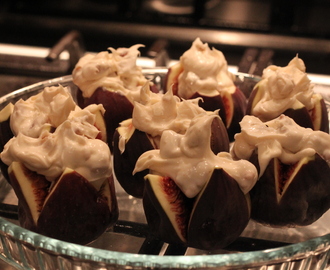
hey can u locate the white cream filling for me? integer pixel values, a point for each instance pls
(282, 88)
(73, 144)
(116, 71)
(205, 71)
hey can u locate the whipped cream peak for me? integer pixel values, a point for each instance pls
(189, 161)
(47, 109)
(115, 71)
(283, 88)
(73, 143)
(160, 112)
(205, 71)
(279, 138)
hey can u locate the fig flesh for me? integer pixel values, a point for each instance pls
(291, 194)
(167, 209)
(54, 211)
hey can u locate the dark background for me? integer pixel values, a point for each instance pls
(288, 27)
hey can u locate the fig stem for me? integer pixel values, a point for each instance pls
(175, 250)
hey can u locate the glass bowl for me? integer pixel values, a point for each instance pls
(128, 246)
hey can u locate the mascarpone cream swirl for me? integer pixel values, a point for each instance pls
(44, 110)
(283, 88)
(205, 71)
(73, 143)
(189, 161)
(115, 70)
(279, 138)
(156, 113)
(159, 112)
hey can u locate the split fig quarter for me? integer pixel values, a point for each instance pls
(167, 209)
(220, 214)
(124, 163)
(212, 220)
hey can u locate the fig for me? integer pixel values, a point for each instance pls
(59, 166)
(293, 166)
(51, 210)
(287, 90)
(198, 222)
(202, 72)
(113, 79)
(137, 142)
(192, 196)
(291, 194)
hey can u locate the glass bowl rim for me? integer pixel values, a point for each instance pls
(274, 255)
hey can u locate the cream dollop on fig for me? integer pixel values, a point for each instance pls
(288, 90)
(155, 114)
(113, 79)
(189, 161)
(45, 110)
(203, 72)
(115, 70)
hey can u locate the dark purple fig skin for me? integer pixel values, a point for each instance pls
(219, 137)
(117, 108)
(216, 102)
(78, 218)
(157, 219)
(253, 94)
(124, 163)
(5, 135)
(212, 104)
(220, 215)
(306, 199)
(324, 126)
(300, 116)
(240, 102)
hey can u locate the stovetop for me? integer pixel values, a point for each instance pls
(264, 31)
